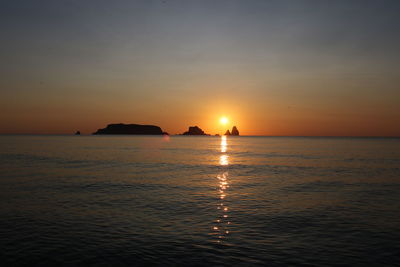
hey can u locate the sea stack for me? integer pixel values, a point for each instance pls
(234, 131)
(194, 130)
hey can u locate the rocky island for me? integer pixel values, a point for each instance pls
(194, 130)
(234, 131)
(121, 128)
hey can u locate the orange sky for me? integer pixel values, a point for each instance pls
(344, 116)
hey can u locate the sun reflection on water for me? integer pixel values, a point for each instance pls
(224, 145)
(223, 160)
(220, 230)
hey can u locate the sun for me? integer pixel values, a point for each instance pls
(223, 120)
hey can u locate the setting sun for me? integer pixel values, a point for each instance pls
(223, 120)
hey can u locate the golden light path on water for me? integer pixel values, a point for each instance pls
(224, 145)
(221, 228)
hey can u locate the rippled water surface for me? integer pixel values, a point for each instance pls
(138, 200)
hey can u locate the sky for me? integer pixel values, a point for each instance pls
(280, 68)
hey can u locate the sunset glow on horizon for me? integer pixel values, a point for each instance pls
(280, 68)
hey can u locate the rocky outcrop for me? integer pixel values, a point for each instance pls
(121, 128)
(234, 131)
(194, 130)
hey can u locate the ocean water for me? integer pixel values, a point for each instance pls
(199, 201)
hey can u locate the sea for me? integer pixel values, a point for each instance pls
(199, 201)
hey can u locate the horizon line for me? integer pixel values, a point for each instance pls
(326, 136)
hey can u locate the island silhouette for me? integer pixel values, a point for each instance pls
(194, 130)
(138, 129)
(121, 128)
(234, 131)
